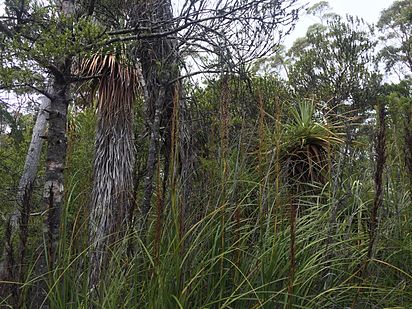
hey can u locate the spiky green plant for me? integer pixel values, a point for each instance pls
(307, 144)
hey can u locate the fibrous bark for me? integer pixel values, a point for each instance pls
(112, 194)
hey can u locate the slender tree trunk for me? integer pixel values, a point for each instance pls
(33, 156)
(11, 268)
(152, 55)
(408, 147)
(187, 163)
(151, 157)
(53, 194)
(380, 141)
(159, 59)
(165, 109)
(380, 155)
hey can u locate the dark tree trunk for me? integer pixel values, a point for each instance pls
(380, 149)
(187, 164)
(408, 147)
(152, 155)
(53, 194)
(159, 60)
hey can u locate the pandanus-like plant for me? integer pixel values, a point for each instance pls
(112, 194)
(309, 139)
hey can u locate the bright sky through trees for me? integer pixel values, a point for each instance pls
(369, 10)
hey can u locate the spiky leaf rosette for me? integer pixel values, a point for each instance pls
(309, 140)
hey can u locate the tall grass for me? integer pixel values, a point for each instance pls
(255, 274)
(234, 255)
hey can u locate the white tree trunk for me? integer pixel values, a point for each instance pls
(11, 268)
(31, 164)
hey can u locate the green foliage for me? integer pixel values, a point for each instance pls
(272, 65)
(319, 8)
(225, 261)
(333, 63)
(79, 164)
(396, 25)
(39, 39)
(15, 137)
(235, 252)
(398, 100)
(13, 150)
(305, 128)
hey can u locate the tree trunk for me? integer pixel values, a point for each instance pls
(32, 159)
(151, 157)
(158, 58)
(408, 147)
(112, 194)
(53, 195)
(186, 165)
(11, 268)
